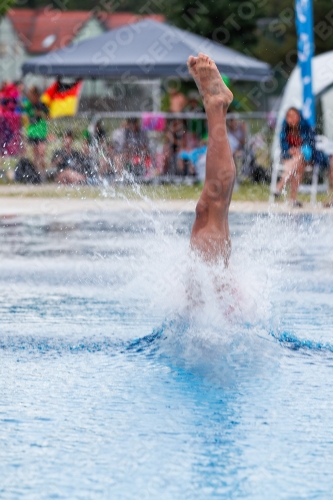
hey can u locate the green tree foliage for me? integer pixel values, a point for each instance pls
(323, 25)
(277, 41)
(5, 5)
(277, 38)
(231, 22)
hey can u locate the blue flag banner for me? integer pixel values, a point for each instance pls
(304, 26)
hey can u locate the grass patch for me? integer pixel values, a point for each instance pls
(250, 192)
(92, 192)
(243, 192)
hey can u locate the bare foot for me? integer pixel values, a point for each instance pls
(192, 69)
(213, 89)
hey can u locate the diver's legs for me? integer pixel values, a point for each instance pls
(210, 233)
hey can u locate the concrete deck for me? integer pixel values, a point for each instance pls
(34, 200)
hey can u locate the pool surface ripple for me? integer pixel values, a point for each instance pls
(112, 387)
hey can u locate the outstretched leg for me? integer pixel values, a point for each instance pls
(293, 173)
(210, 233)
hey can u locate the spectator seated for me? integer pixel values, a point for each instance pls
(135, 154)
(109, 162)
(298, 152)
(70, 166)
(196, 159)
(179, 142)
(236, 135)
(26, 173)
(172, 145)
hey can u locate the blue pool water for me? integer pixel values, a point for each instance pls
(113, 385)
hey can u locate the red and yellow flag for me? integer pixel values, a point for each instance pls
(62, 98)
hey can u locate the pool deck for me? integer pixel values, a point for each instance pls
(28, 201)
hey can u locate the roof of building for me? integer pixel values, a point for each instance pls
(45, 29)
(117, 19)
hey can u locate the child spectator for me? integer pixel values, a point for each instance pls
(37, 113)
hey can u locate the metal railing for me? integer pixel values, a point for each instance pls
(194, 122)
(122, 115)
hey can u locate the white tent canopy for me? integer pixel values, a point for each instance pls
(322, 81)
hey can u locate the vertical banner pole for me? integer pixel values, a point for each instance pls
(304, 26)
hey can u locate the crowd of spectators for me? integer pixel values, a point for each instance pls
(144, 148)
(93, 156)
